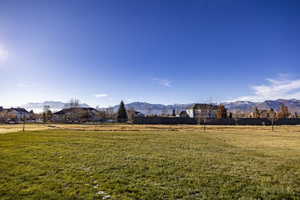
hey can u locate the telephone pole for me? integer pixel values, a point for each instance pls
(24, 119)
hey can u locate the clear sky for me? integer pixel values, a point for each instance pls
(157, 51)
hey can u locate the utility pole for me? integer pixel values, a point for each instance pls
(24, 119)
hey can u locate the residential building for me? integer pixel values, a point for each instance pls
(183, 114)
(77, 115)
(203, 111)
(14, 114)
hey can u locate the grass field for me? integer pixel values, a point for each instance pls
(149, 162)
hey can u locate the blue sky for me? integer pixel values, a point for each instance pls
(156, 51)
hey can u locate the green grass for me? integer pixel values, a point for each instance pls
(68, 164)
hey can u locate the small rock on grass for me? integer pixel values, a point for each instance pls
(106, 197)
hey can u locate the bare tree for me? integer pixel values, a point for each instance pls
(73, 103)
(165, 112)
(201, 116)
(47, 114)
(131, 114)
(256, 113)
(109, 113)
(222, 112)
(284, 112)
(2, 116)
(272, 115)
(149, 111)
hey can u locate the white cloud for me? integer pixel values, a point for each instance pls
(281, 88)
(101, 95)
(163, 82)
(24, 85)
(3, 54)
(128, 100)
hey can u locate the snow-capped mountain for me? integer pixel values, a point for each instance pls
(152, 109)
(54, 106)
(237, 106)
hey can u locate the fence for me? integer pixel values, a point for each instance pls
(239, 121)
(164, 120)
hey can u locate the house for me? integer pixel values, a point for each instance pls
(14, 114)
(133, 114)
(139, 114)
(262, 114)
(202, 111)
(77, 115)
(183, 114)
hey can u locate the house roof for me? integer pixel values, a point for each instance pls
(73, 110)
(264, 111)
(20, 110)
(199, 106)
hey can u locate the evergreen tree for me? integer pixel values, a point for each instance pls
(122, 114)
(174, 113)
(44, 117)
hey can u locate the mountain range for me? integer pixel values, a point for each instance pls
(237, 106)
(148, 108)
(54, 106)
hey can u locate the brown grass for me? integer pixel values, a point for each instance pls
(7, 128)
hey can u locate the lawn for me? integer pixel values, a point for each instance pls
(150, 162)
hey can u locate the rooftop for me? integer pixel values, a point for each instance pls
(204, 106)
(77, 109)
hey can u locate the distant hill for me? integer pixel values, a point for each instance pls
(54, 106)
(240, 106)
(247, 106)
(148, 108)
(237, 106)
(153, 109)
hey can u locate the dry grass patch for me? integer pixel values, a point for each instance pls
(8, 128)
